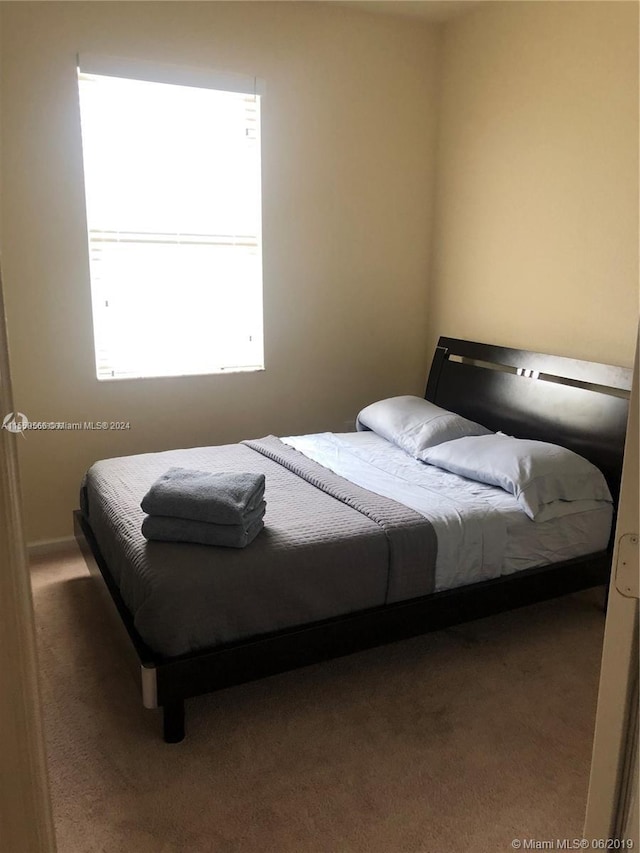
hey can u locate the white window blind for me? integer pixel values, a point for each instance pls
(172, 184)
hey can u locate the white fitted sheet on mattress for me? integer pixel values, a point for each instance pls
(457, 508)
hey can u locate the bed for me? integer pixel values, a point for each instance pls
(363, 543)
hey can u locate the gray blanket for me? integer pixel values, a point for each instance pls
(216, 497)
(328, 548)
(411, 539)
(165, 528)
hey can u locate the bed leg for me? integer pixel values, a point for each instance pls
(173, 721)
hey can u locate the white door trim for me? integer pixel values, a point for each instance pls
(614, 748)
(25, 807)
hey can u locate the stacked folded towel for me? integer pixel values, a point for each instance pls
(210, 508)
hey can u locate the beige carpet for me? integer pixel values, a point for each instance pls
(454, 741)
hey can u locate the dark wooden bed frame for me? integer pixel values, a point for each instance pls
(580, 405)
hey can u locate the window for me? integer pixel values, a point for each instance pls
(172, 184)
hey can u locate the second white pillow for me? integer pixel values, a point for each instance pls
(415, 424)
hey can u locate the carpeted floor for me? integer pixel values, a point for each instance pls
(455, 741)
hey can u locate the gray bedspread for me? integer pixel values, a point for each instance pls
(328, 548)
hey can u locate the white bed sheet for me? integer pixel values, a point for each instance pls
(482, 531)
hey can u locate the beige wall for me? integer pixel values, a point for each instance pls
(536, 230)
(534, 233)
(25, 809)
(348, 134)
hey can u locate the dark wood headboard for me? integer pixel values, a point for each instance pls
(581, 405)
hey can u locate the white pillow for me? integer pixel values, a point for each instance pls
(558, 509)
(415, 424)
(543, 477)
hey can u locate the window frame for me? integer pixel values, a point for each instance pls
(181, 76)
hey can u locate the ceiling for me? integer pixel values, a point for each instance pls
(427, 10)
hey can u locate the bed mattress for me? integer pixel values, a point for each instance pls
(351, 523)
(448, 501)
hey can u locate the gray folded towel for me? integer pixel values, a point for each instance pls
(166, 529)
(216, 497)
